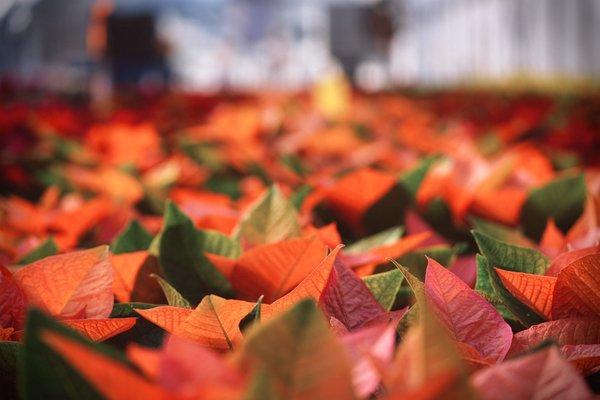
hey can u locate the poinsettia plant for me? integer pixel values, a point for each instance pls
(430, 246)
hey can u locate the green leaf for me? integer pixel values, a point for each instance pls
(125, 310)
(216, 242)
(297, 198)
(490, 285)
(563, 200)
(382, 238)
(511, 257)
(271, 219)
(174, 298)
(182, 259)
(411, 318)
(253, 316)
(390, 208)
(294, 163)
(46, 249)
(133, 238)
(261, 387)
(501, 232)
(385, 287)
(483, 286)
(10, 355)
(416, 261)
(300, 355)
(43, 373)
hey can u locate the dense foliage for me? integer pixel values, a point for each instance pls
(414, 246)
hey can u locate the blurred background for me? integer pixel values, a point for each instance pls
(245, 45)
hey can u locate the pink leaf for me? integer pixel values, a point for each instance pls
(348, 299)
(468, 316)
(539, 376)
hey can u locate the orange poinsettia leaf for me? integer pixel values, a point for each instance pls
(112, 379)
(274, 269)
(553, 240)
(577, 291)
(353, 194)
(71, 223)
(13, 303)
(502, 205)
(535, 291)
(311, 287)
(132, 281)
(67, 284)
(100, 329)
(166, 317)
(120, 144)
(122, 187)
(215, 322)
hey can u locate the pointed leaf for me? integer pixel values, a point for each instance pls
(217, 243)
(390, 207)
(271, 219)
(301, 355)
(348, 299)
(563, 332)
(385, 287)
(133, 238)
(577, 291)
(215, 322)
(311, 287)
(275, 269)
(99, 330)
(132, 280)
(416, 260)
(561, 199)
(167, 317)
(469, 317)
(184, 264)
(511, 257)
(383, 238)
(535, 291)
(542, 375)
(496, 292)
(565, 259)
(174, 298)
(426, 352)
(253, 316)
(68, 284)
